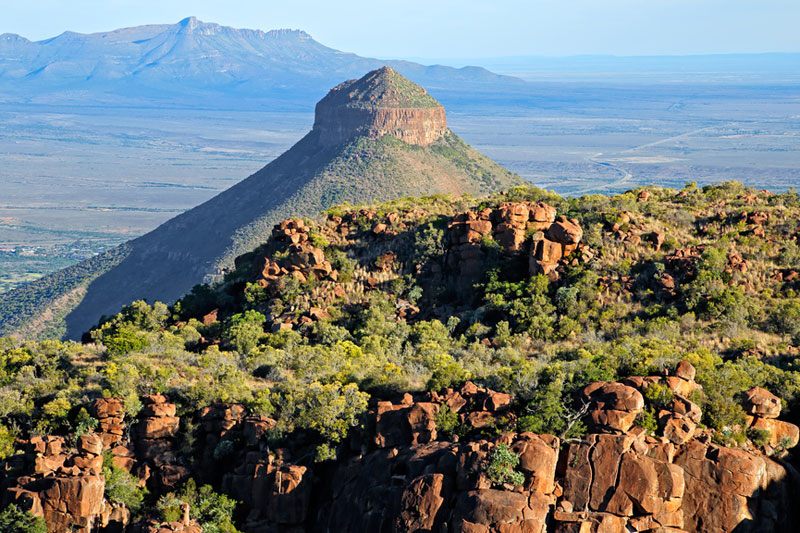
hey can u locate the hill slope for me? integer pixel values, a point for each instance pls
(516, 362)
(371, 163)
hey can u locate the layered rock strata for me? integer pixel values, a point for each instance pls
(381, 103)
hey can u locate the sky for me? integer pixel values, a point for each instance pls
(453, 29)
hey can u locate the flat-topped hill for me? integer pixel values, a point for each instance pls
(381, 103)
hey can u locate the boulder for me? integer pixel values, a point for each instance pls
(538, 458)
(781, 434)
(159, 428)
(612, 406)
(565, 231)
(90, 444)
(685, 370)
(420, 504)
(762, 403)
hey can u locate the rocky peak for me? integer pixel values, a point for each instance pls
(382, 102)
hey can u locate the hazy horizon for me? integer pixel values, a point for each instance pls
(467, 29)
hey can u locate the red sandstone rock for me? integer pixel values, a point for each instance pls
(762, 403)
(685, 370)
(781, 434)
(159, 428)
(107, 408)
(90, 444)
(613, 406)
(565, 231)
(538, 456)
(420, 504)
(158, 410)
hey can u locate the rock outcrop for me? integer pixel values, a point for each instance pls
(422, 464)
(65, 486)
(510, 226)
(381, 103)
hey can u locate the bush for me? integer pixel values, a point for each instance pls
(125, 340)
(658, 396)
(121, 486)
(447, 422)
(213, 511)
(759, 437)
(15, 520)
(7, 438)
(327, 409)
(243, 331)
(502, 464)
(647, 420)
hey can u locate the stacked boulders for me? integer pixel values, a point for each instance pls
(509, 225)
(467, 231)
(682, 262)
(64, 487)
(616, 480)
(277, 493)
(515, 219)
(220, 418)
(413, 421)
(550, 247)
(156, 435)
(109, 413)
(763, 408)
(737, 263)
(678, 423)
(619, 483)
(757, 218)
(303, 260)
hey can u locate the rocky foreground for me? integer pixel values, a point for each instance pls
(404, 473)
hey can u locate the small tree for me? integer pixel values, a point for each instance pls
(15, 520)
(121, 487)
(502, 464)
(243, 331)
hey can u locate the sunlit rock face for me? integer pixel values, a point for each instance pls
(381, 103)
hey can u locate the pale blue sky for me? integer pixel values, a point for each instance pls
(453, 28)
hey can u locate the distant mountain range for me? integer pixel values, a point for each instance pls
(192, 60)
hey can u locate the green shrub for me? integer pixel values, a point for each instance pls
(759, 437)
(7, 438)
(447, 422)
(502, 464)
(658, 396)
(121, 486)
(124, 340)
(213, 511)
(15, 520)
(647, 420)
(328, 409)
(243, 330)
